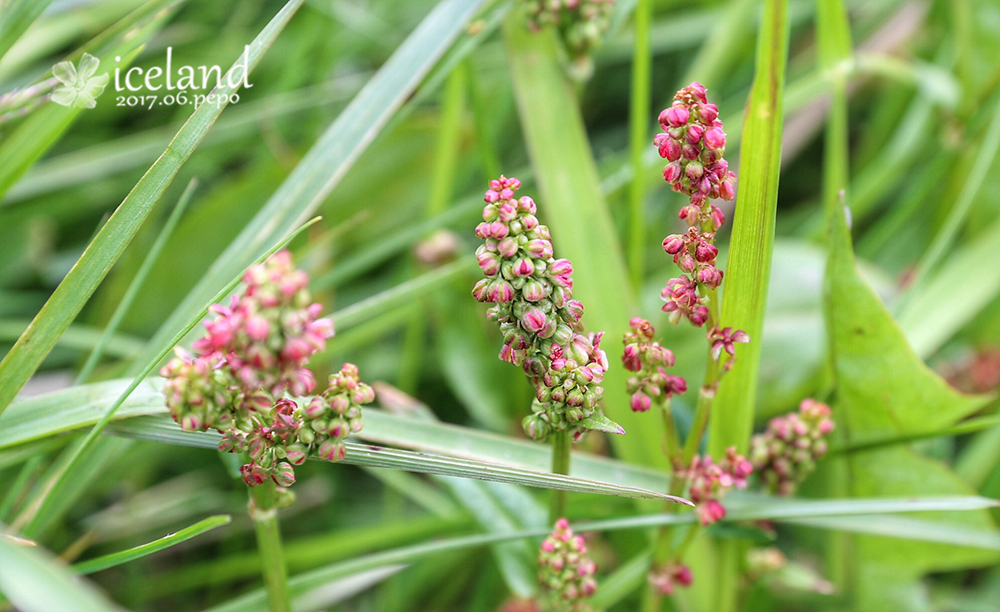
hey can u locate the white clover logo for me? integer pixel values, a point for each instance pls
(80, 87)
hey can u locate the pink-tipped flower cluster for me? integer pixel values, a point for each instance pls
(694, 142)
(788, 450)
(648, 359)
(566, 573)
(532, 293)
(266, 336)
(255, 350)
(709, 481)
(580, 22)
(670, 576)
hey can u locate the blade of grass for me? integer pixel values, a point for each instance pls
(402, 294)
(639, 121)
(162, 430)
(88, 272)
(42, 504)
(15, 17)
(255, 600)
(35, 581)
(572, 205)
(111, 560)
(335, 152)
(78, 336)
(906, 529)
(956, 216)
(136, 150)
(834, 39)
(749, 264)
(48, 415)
(133, 289)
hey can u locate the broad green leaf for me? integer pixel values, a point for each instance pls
(104, 562)
(749, 264)
(322, 168)
(34, 581)
(884, 389)
(73, 292)
(571, 203)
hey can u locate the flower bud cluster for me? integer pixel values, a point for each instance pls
(532, 293)
(569, 391)
(580, 22)
(709, 482)
(328, 420)
(670, 575)
(197, 392)
(566, 572)
(693, 142)
(267, 335)
(788, 450)
(257, 349)
(648, 359)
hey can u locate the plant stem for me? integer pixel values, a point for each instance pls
(639, 139)
(561, 448)
(706, 396)
(671, 443)
(272, 555)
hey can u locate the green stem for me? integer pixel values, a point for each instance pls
(562, 446)
(639, 139)
(264, 513)
(671, 443)
(706, 396)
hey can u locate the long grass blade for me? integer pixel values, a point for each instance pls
(749, 265)
(133, 289)
(104, 562)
